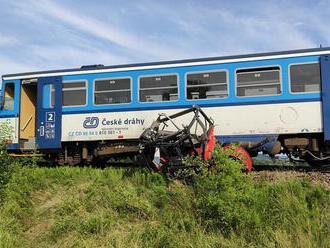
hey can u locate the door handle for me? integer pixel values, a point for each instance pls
(28, 121)
(42, 130)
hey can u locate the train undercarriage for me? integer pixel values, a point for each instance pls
(299, 148)
(309, 148)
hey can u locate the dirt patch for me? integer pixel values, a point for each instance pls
(37, 230)
(40, 196)
(51, 202)
(45, 200)
(277, 176)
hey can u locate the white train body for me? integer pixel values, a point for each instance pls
(284, 118)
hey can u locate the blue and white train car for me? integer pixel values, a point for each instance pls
(270, 102)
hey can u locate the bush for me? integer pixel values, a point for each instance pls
(9, 164)
(224, 193)
(231, 202)
(5, 161)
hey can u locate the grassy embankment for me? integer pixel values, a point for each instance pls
(88, 207)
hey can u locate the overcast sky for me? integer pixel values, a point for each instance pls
(43, 35)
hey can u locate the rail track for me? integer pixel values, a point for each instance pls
(325, 169)
(255, 167)
(272, 173)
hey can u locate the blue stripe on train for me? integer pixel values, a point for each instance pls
(180, 106)
(268, 146)
(13, 146)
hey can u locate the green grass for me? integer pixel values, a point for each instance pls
(89, 207)
(85, 207)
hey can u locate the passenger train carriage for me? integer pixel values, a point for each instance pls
(271, 102)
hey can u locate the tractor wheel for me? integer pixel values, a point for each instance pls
(241, 154)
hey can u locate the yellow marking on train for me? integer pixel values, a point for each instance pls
(25, 155)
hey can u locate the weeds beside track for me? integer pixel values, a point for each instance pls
(119, 207)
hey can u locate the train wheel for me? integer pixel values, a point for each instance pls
(241, 154)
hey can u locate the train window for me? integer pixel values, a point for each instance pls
(46, 89)
(305, 78)
(112, 91)
(207, 85)
(264, 81)
(9, 96)
(73, 93)
(158, 88)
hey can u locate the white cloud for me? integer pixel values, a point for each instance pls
(56, 57)
(9, 66)
(54, 35)
(8, 41)
(270, 30)
(221, 29)
(92, 26)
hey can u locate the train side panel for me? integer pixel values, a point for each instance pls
(11, 124)
(9, 113)
(284, 118)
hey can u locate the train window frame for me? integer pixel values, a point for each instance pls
(289, 78)
(72, 81)
(3, 108)
(114, 78)
(202, 72)
(260, 67)
(159, 75)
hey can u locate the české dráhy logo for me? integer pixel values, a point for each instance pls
(91, 122)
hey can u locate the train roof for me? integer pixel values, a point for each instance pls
(165, 64)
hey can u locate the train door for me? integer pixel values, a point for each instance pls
(28, 115)
(325, 79)
(49, 116)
